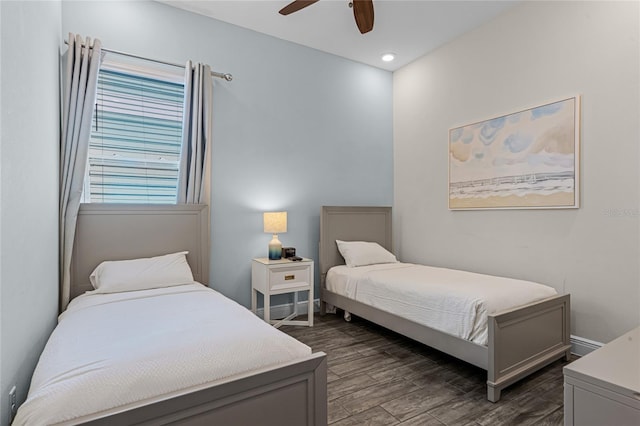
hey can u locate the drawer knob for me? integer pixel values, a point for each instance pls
(289, 277)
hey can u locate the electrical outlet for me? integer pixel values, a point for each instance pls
(13, 404)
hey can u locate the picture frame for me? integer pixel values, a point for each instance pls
(528, 159)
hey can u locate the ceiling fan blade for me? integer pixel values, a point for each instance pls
(295, 6)
(363, 12)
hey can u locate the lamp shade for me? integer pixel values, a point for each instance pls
(275, 222)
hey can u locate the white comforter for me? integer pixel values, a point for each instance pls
(452, 301)
(116, 351)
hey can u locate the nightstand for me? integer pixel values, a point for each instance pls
(282, 276)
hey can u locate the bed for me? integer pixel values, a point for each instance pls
(197, 357)
(519, 340)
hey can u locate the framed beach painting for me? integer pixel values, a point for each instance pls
(524, 160)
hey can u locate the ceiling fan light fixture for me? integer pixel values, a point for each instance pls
(388, 57)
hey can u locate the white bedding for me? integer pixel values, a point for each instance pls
(455, 302)
(116, 351)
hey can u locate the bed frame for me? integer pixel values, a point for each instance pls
(293, 393)
(521, 340)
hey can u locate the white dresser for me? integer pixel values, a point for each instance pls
(603, 387)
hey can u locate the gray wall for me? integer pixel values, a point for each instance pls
(295, 129)
(535, 52)
(29, 189)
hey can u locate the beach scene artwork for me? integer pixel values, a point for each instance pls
(527, 159)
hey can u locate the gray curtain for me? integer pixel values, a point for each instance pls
(80, 81)
(195, 162)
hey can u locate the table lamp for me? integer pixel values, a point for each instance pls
(275, 223)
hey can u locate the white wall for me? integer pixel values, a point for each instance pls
(295, 129)
(535, 52)
(29, 188)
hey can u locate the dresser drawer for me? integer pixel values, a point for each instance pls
(589, 405)
(291, 276)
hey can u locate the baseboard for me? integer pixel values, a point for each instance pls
(281, 311)
(581, 346)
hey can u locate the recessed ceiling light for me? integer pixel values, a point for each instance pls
(388, 57)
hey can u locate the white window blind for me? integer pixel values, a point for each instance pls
(134, 149)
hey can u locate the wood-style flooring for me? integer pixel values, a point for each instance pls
(378, 377)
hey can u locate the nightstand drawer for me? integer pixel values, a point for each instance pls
(291, 276)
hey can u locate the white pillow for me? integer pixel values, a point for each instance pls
(361, 253)
(142, 274)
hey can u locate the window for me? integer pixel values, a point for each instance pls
(135, 143)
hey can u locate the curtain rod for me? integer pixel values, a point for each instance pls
(224, 76)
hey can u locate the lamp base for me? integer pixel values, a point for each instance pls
(275, 248)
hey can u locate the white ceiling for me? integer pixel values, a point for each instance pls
(409, 29)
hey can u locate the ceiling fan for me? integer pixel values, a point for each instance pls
(362, 11)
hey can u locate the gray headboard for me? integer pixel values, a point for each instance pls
(351, 224)
(120, 232)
